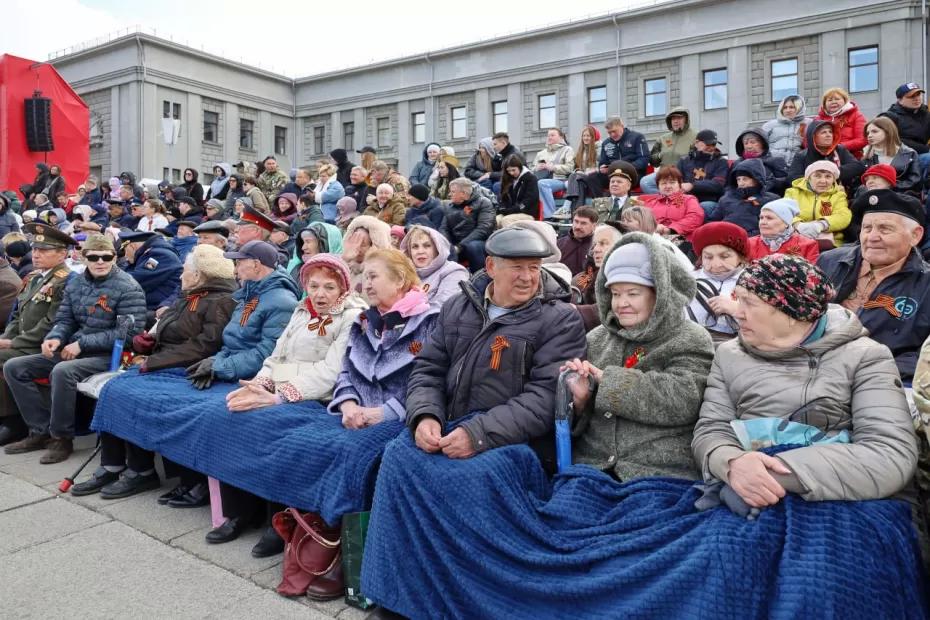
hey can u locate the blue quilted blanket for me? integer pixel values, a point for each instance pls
(295, 454)
(491, 537)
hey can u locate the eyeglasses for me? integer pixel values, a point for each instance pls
(98, 258)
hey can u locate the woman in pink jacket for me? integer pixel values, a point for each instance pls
(676, 213)
(838, 108)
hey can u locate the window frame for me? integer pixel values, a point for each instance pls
(418, 124)
(348, 137)
(663, 93)
(215, 125)
(592, 101)
(383, 133)
(282, 138)
(773, 77)
(496, 116)
(455, 121)
(851, 67)
(318, 139)
(554, 108)
(725, 84)
(247, 130)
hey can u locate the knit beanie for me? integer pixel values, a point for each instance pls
(789, 284)
(822, 164)
(246, 201)
(886, 171)
(629, 263)
(331, 262)
(215, 203)
(211, 263)
(785, 208)
(398, 232)
(419, 191)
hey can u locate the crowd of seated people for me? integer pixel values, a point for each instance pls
(702, 272)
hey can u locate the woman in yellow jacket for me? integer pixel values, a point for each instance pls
(822, 201)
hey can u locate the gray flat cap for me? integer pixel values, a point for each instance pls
(516, 243)
(213, 226)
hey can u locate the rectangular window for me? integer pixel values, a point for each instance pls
(499, 116)
(348, 136)
(211, 127)
(165, 173)
(383, 125)
(459, 116)
(280, 140)
(715, 89)
(863, 69)
(547, 113)
(246, 134)
(784, 78)
(418, 123)
(656, 96)
(176, 111)
(175, 175)
(166, 109)
(319, 134)
(597, 104)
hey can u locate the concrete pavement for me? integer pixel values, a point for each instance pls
(85, 557)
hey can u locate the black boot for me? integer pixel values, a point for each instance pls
(13, 429)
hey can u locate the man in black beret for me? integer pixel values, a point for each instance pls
(884, 279)
(496, 350)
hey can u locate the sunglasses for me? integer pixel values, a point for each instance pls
(97, 258)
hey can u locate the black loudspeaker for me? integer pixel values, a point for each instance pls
(39, 124)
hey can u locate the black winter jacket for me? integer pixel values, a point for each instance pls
(708, 174)
(913, 125)
(473, 220)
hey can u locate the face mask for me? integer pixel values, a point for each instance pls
(766, 432)
(746, 192)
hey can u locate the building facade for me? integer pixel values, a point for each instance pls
(157, 108)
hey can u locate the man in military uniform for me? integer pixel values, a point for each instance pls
(35, 311)
(253, 225)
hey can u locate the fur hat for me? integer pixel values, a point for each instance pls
(211, 264)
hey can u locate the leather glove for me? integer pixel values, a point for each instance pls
(143, 344)
(811, 229)
(201, 373)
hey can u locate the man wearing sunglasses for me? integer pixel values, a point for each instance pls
(78, 346)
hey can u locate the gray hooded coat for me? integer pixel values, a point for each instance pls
(640, 419)
(786, 135)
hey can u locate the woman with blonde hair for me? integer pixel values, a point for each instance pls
(885, 147)
(837, 107)
(328, 192)
(589, 148)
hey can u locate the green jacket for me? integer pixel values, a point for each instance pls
(639, 421)
(672, 146)
(35, 309)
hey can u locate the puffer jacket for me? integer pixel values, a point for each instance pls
(423, 168)
(327, 196)
(906, 166)
(680, 212)
(263, 310)
(741, 206)
(473, 220)
(561, 155)
(673, 145)
(430, 213)
(305, 362)
(192, 328)
(455, 374)
(850, 168)
(639, 420)
(843, 381)
(440, 279)
(786, 135)
(778, 170)
(707, 172)
(913, 125)
(830, 206)
(849, 122)
(87, 314)
(157, 268)
(380, 356)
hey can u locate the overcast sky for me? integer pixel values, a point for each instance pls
(288, 36)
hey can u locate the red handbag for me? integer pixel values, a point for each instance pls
(311, 549)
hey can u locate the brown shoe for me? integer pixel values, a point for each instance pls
(59, 449)
(29, 444)
(330, 585)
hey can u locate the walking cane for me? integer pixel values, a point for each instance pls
(563, 420)
(124, 323)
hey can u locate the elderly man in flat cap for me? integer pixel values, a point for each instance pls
(884, 279)
(35, 311)
(78, 346)
(213, 233)
(497, 350)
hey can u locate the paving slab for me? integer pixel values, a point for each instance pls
(121, 573)
(31, 470)
(37, 523)
(15, 492)
(161, 522)
(234, 556)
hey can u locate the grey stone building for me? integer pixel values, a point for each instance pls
(728, 61)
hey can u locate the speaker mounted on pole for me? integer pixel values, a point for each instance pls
(39, 123)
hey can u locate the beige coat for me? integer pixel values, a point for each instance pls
(305, 362)
(562, 155)
(847, 380)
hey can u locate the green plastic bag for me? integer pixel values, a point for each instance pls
(354, 531)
